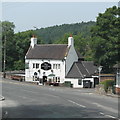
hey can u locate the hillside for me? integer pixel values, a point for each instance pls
(52, 34)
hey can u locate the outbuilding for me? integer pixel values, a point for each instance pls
(81, 75)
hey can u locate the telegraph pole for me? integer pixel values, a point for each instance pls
(4, 59)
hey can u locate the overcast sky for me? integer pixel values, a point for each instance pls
(26, 15)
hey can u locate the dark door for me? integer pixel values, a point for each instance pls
(96, 81)
(86, 84)
(44, 78)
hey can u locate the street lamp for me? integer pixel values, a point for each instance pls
(99, 70)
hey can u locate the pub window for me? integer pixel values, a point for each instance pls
(58, 66)
(58, 79)
(37, 65)
(53, 66)
(26, 65)
(79, 82)
(33, 65)
(53, 79)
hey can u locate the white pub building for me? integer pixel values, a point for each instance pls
(57, 63)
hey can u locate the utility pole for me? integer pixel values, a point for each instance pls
(99, 70)
(4, 59)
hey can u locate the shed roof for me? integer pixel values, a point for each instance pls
(82, 69)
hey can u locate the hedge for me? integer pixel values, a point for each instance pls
(107, 84)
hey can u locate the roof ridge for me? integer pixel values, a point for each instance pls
(28, 50)
(86, 69)
(78, 70)
(49, 44)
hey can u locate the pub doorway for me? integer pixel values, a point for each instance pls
(44, 79)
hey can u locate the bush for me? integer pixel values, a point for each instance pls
(107, 84)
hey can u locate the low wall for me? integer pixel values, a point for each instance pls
(117, 90)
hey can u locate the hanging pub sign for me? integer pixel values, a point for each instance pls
(46, 66)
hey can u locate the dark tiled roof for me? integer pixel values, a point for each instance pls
(81, 69)
(47, 51)
(90, 67)
(74, 72)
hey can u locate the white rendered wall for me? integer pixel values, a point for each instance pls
(74, 82)
(29, 73)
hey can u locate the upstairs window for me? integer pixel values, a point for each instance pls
(56, 66)
(37, 65)
(33, 65)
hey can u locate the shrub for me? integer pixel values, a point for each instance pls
(107, 84)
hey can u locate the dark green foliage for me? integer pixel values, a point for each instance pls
(105, 41)
(8, 31)
(54, 33)
(107, 84)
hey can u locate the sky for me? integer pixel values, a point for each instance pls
(28, 15)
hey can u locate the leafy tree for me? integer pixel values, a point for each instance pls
(7, 36)
(22, 44)
(105, 43)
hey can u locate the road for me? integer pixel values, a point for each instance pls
(25, 100)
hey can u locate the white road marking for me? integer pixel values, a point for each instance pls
(110, 116)
(106, 108)
(107, 115)
(102, 113)
(77, 104)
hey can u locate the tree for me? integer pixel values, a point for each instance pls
(7, 42)
(105, 43)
